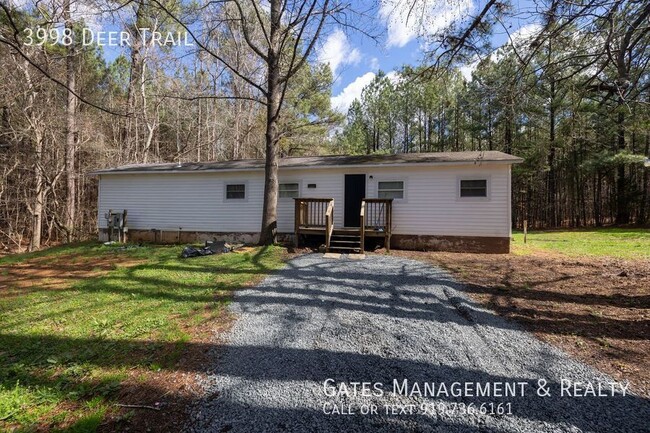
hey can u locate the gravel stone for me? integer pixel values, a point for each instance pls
(377, 320)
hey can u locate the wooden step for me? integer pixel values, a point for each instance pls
(339, 248)
(344, 232)
(337, 242)
(346, 240)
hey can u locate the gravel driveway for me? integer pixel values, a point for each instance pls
(386, 319)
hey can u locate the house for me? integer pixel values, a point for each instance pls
(452, 201)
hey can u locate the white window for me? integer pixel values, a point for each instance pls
(473, 188)
(390, 189)
(289, 190)
(236, 191)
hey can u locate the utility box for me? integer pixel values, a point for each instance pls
(117, 228)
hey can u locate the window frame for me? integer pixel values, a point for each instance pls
(391, 179)
(225, 191)
(285, 182)
(488, 182)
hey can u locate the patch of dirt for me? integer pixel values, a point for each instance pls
(51, 273)
(597, 309)
(174, 390)
(158, 401)
(167, 392)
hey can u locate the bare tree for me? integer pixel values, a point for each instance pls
(71, 126)
(282, 36)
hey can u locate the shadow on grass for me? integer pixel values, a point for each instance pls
(312, 367)
(170, 278)
(30, 359)
(66, 343)
(86, 247)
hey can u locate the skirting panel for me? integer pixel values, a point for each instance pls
(461, 244)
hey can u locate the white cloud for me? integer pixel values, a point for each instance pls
(519, 40)
(352, 91)
(337, 51)
(524, 34)
(468, 69)
(394, 77)
(374, 64)
(406, 20)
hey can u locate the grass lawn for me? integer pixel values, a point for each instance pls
(625, 243)
(78, 323)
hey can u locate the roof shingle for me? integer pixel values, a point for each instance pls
(322, 161)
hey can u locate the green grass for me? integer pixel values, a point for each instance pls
(87, 249)
(72, 347)
(624, 243)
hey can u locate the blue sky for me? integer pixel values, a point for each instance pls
(355, 59)
(402, 24)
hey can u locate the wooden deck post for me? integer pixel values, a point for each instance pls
(296, 221)
(362, 226)
(329, 224)
(389, 223)
(525, 230)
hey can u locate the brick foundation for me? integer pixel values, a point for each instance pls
(456, 244)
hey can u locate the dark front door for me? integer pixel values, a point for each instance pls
(355, 191)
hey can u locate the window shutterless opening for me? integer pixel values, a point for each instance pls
(473, 188)
(289, 190)
(390, 189)
(236, 191)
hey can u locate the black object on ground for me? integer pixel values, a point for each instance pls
(211, 247)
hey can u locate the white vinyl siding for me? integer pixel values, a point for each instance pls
(193, 201)
(434, 208)
(329, 184)
(196, 201)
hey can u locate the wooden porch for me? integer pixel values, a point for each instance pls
(315, 216)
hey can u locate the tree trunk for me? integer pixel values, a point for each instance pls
(39, 198)
(643, 212)
(551, 181)
(135, 78)
(510, 118)
(622, 202)
(71, 132)
(269, 212)
(268, 231)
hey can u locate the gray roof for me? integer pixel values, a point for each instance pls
(323, 161)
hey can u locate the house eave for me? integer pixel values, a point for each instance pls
(304, 167)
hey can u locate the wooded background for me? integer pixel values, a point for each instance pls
(572, 98)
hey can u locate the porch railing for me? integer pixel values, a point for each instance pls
(314, 214)
(376, 219)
